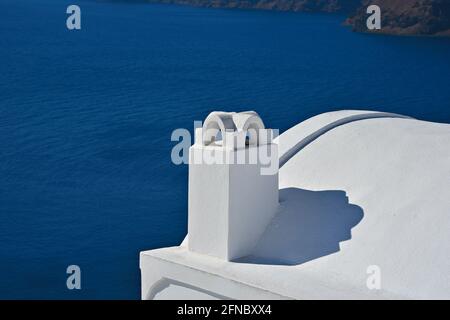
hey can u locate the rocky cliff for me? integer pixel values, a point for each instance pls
(281, 5)
(403, 17)
(406, 17)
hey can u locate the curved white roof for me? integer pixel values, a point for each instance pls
(397, 172)
(357, 189)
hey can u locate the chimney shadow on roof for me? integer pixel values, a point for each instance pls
(307, 226)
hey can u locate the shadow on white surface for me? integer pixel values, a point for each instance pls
(308, 225)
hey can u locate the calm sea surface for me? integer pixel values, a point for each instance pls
(86, 119)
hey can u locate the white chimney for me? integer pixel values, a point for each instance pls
(233, 184)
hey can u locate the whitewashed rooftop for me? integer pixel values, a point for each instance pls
(357, 189)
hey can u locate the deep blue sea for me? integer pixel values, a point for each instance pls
(86, 118)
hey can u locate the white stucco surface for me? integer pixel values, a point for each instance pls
(369, 189)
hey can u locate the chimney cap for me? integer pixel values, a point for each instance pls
(222, 122)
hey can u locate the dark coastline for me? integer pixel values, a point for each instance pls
(399, 17)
